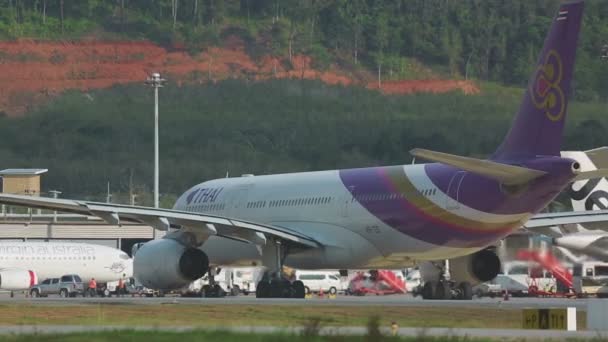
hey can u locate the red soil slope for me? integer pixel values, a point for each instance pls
(32, 72)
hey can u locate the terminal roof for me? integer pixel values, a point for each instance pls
(22, 172)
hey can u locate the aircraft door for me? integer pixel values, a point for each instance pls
(347, 201)
(452, 199)
(238, 200)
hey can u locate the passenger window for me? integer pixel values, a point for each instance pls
(66, 279)
(46, 282)
(55, 280)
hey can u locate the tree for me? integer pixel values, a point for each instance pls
(174, 4)
(61, 16)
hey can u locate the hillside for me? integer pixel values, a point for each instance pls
(51, 46)
(272, 126)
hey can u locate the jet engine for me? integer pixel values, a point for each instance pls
(475, 268)
(16, 279)
(167, 264)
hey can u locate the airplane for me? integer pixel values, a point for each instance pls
(24, 263)
(449, 213)
(589, 239)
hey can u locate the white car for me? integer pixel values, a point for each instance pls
(315, 281)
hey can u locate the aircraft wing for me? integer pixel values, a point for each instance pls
(163, 219)
(544, 220)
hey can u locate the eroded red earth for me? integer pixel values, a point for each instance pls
(31, 72)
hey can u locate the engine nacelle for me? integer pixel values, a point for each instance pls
(16, 279)
(167, 264)
(475, 268)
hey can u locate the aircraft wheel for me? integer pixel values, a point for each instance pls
(263, 289)
(429, 290)
(299, 290)
(443, 290)
(465, 290)
(279, 289)
(333, 290)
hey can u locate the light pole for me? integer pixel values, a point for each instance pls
(56, 194)
(155, 81)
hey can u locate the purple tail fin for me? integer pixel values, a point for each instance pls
(539, 124)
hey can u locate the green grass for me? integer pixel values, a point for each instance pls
(260, 315)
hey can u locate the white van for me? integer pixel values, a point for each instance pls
(315, 281)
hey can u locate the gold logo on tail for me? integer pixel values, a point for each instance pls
(546, 91)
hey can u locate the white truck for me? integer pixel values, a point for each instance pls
(232, 281)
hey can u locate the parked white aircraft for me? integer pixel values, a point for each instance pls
(380, 217)
(23, 264)
(590, 239)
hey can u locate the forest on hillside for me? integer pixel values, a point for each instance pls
(233, 127)
(491, 40)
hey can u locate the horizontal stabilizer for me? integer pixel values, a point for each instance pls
(506, 174)
(600, 173)
(599, 156)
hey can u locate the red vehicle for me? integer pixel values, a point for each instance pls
(380, 282)
(549, 262)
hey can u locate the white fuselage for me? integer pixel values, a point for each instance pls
(318, 205)
(55, 259)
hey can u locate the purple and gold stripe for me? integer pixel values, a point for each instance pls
(416, 215)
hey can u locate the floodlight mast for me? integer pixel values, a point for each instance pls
(155, 81)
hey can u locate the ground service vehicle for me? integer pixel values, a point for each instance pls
(67, 286)
(317, 281)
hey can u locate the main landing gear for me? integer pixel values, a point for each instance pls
(444, 288)
(280, 288)
(274, 284)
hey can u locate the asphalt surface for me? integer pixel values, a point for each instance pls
(412, 332)
(393, 300)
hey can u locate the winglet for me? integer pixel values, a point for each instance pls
(506, 174)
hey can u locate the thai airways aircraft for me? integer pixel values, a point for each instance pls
(590, 239)
(23, 264)
(455, 208)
